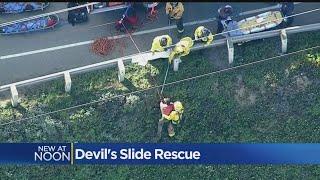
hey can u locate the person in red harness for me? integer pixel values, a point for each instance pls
(166, 107)
(172, 113)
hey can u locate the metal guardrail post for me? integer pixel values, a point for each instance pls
(14, 96)
(284, 40)
(176, 64)
(67, 79)
(122, 70)
(230, 50)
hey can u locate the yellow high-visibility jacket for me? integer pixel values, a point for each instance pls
(156, 47)
(173, 116)
(182, 48)
(178, 107)
(198, 34)
(175, 12)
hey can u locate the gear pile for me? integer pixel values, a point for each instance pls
(103, 46)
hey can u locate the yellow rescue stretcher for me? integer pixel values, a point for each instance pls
(260, 22)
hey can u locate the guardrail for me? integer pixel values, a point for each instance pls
(141, 57)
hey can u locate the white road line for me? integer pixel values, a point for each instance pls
(46, 49)
(135, 34)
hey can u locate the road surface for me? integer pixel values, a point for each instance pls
(26, 56)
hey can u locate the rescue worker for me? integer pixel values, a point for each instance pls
(203, 34)
(175, 11)
(287, 10)
(224, 17)
(182, 48)
(171, 112)
(161, 43)
(166, 108)
(178, 107)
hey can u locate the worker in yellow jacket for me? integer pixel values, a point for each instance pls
(178, 107)
(175, 11)
(182, 48)
(160, 43)
(172, 112)
(203, 34)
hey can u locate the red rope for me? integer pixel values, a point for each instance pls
(103, 46)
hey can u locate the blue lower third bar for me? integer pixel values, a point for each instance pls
(35, 153)
(105, 153)
(196, 153)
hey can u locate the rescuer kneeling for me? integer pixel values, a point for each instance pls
(161, 43)
(182, 48)
(203, 34)
(172, 112)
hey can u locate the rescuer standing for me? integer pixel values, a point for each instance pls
(171, 112)
(175, 11)
(203, 34)
(161, 43)
(225, 14)
(287, 10)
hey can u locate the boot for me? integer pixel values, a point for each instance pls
(160, 125)
(171, 130)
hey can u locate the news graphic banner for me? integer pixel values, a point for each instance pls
(105, 153)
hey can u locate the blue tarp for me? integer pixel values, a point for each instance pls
(19, 7)
(26, 26)
(14, 7)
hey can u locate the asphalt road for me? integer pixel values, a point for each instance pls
(21, 67)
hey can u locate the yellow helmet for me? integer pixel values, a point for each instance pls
(188, 40)
(178, 106)
(179, 48)
(199, 31)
